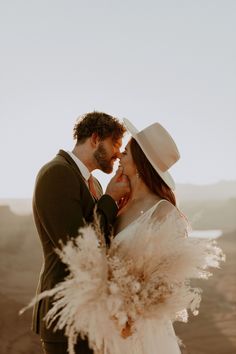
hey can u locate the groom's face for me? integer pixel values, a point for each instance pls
(106, 154)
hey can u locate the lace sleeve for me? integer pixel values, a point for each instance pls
(166, 213)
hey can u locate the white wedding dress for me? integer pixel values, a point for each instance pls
(152, 336)
(97, 298)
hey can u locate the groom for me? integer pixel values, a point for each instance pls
(64, 200)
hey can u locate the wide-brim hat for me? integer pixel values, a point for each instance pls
(159, 148)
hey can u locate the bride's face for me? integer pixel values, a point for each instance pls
(127, 162)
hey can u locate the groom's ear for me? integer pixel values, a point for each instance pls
(94, 140)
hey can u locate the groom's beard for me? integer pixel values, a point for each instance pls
(104, 162)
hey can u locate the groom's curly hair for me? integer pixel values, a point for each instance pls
(101, 123)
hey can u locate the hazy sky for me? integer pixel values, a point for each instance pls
(170, 61)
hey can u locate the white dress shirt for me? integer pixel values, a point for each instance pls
(83, 169)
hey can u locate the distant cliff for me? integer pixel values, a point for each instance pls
(18, 236)
(207, 207)
(223, 190)
(211, 214)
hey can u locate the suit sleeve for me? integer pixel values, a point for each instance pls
(58, 203)
(107, 211)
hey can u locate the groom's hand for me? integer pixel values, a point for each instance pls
(118, 186)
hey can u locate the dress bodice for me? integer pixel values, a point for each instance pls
(152, 336)
(129, 231)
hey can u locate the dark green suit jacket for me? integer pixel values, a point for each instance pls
(62, 204)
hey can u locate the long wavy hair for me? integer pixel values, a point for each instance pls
(149, 175)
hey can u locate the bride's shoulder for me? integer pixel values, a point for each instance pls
(168, 217)
(164, 209)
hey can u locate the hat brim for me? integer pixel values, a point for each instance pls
(130, 127)
(166, 176)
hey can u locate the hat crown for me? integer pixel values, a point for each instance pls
(159, 146)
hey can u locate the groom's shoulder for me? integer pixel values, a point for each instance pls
(61, 162)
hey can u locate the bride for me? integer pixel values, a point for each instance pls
(125, 298)
(145, 161)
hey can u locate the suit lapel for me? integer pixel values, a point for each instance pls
(71, 162)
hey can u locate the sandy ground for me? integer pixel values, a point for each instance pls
(213, 331)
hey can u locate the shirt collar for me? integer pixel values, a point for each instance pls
(83, 169)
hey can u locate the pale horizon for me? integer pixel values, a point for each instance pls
(104, 180)
(4, 199)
